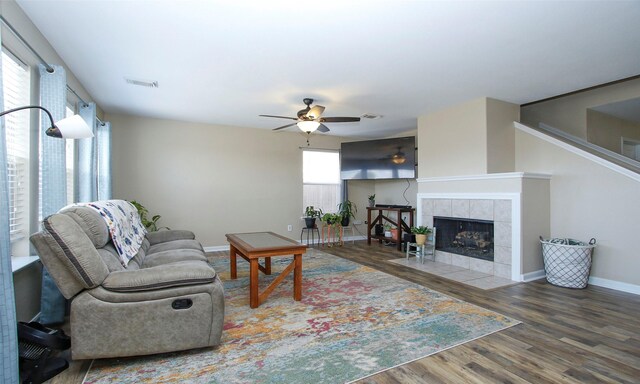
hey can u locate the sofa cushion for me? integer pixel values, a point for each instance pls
(169, 235)
(74, 248)
(173, 256)
(175, 244)
(91, 223)
(160, 277)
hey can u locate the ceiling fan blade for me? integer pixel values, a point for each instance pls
(284, 126)
(315, 112)
(279, 117)
(338, 119)
(322, 128)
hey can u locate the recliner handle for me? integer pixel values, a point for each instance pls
(182, 304)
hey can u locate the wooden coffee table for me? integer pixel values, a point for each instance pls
(253, 246)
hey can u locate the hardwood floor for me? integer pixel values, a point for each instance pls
(566, 336)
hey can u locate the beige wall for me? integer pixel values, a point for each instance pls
(588, 200)
(607, 131)
(569, 113)
(211, 179)
(453, 141)
(469, 139)
(500, 116)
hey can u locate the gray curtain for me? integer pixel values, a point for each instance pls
(53, 96)
(8, 329)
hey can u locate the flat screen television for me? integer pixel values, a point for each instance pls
(378, 159)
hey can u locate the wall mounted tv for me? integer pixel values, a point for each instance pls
(378, 159)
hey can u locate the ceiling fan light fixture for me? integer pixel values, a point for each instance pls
(398, 158)
(308, 126)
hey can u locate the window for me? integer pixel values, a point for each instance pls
(321, 180)
(15, 76)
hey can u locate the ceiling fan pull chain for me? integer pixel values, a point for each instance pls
(308, 134)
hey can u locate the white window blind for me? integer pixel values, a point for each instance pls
(321, 180)
(15, 81)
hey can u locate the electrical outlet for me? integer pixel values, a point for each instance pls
(289, 227)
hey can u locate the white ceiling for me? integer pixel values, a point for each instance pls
(224, 62)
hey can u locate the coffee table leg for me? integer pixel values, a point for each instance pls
(267, 265)
(254, 300)
(297, 278)
(232, 262)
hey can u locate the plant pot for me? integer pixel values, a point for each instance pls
(394, 234)
(372, 203)
(387, 233)
(421, 239)
(379, 229)
(310, 222)
(345, 221)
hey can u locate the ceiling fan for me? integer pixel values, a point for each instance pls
(310, 118)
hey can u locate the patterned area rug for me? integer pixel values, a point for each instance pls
(352, 322)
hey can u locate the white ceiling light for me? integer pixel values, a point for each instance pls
(308, 126)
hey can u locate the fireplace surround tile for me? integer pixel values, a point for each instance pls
(502, 254)
(502, 270)
(427, 207)
(443, 257)
(460, 208)
(502, 233)
(481, 209)
(481, 266)
(502, 210)
(460, 261)
(442, 207)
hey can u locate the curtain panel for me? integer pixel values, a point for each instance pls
(87, 160)
(53, 171)
(8, 327)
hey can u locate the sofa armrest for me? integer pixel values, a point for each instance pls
(169, 235)
(160, 277)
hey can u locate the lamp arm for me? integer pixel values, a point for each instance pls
(52, 131)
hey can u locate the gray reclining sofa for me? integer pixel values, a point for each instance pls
(168, 298)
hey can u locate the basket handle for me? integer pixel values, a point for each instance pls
(592, 241)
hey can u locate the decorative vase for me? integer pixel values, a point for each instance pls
(421, 239)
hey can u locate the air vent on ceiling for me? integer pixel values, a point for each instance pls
(142, 83)
(371, 116)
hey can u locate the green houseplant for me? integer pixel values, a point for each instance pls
(421, 233)
(151, 225)
(372, 200)
(347, 210)
(310, 215)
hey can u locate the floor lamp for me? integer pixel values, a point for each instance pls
(73, 127)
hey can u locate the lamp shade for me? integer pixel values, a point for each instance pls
(73, 127)
(308, 126)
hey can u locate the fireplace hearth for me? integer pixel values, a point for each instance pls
(467, 237)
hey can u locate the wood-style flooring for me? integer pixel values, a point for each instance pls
(566, 336)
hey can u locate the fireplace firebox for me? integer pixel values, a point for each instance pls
(467, 237)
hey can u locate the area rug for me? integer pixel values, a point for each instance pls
(352, 322)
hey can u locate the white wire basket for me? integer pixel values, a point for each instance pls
(567, 262)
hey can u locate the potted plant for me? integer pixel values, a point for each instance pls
(347, 210)
(310, 215)
(387, 230)
(394, 233)
(421, 233)
(150, 225)
(332, 220)
(372, 200)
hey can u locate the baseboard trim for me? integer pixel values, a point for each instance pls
(531, 276)
(216, 248)
(617, 285)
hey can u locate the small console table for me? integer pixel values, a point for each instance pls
(380, 218)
